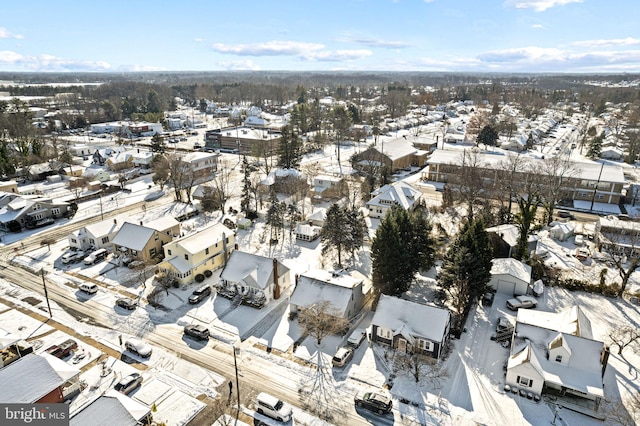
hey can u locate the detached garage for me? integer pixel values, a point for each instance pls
(510, 276)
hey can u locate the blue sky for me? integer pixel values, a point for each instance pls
(306, 35)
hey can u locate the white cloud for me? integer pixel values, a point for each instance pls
(385, 44)
(50, 63)
(197, 40)
(538, 5)
(537, 26)
(429, 1)
(243, 65)
(337, 55)
(629, 41)
(5, 33)
(270, 48)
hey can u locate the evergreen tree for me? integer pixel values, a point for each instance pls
(595, 147)
(466, 268)
(289, 149)
(487, 136)
(334, 233)
(245, 197)
(275, 216)
(357, 230)
(422, 245)
(393, 271)
(157, 144)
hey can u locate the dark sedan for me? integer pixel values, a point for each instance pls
(127, 303)
(197, 331)
(375, 402)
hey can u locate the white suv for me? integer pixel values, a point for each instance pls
(272, 407)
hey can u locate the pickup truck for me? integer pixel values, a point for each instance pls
(63, 349)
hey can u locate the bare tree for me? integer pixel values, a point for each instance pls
(625, 412)
(623, 336)
(160, 169)
(468, 186)
(505, 187)
(321, 319)
(424, 367)
(76, 186)
(555, 172)
(221, 185)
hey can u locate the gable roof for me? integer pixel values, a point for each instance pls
(195, 243)
(104, 227)
(32, 377)
(510, 266)
(508, 232)
(399, 192)
(319, 285)
(253, 270)
(112, 408)
(425, 321)
(570, 321)
(133, 236)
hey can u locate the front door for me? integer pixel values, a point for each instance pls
(402, 345)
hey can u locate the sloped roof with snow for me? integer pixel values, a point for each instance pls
(570, 321)
(400, 193)
(251, 269)
(112, 408)
(510, 266)
(508, 232)
(32, 377)
(426, 321)
(104, 227)
(318, 285)
(397, 148)
(163, 223)
(204, 238)
(133, 236)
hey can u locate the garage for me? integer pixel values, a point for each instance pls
(506, 287)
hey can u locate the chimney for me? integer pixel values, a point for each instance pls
(276, 287)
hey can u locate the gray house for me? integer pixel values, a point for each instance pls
(410, 327)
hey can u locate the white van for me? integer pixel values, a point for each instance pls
(88, 288)
(272, 407)
(95, 257)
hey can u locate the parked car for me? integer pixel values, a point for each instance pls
(138, 347)
(565, 214)
(581, 253)
(487, 298)
(342, 357)
(129, 383)
(356, 338)
(272, 407)
(375, 402)
(90, 288)
(199, 294)
(96, 257)
(578, 240)
(63, 349)
(523, 302)
(72, 256)
(197, 331)
(126, 303)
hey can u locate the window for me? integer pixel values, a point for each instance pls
(384, 333)
(155, 236)
(55, 210)
(152, 252)
(425, 345)
(523, 381)
(206, 251)
(226, 240)
(105, 240)
(73, 240)
(169, 252)
(558, 358)
(186, 257)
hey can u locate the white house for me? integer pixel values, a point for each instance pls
(98, 235)
(307, 232)
(561, 231)
(399, 193)
(345, 292)
(408, 326)
(510, 276)
(252, 275)
(208, 249)
(556, 351)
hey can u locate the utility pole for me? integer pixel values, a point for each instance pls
(46, 295)
(235, 365)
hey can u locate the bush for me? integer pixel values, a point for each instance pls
(252, 215)
(199, 278)
(175, 284)
(208, 273)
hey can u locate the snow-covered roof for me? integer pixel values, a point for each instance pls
(426, 321)
(400, 193)
(582, 371)
(204, 238)
(584, 170)
(306, 229)
(319, 215)
(565, 228)
(508, 232)
(32, 377)
(253, 270)
(133, 236)
(104, 227)
(510, 266)
(398, 147)
(162, 223)
(7, 339)
(570, 321)
(112, 408)
(319, 285)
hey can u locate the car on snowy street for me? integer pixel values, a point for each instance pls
(375, 402)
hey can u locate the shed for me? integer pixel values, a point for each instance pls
(561, 231)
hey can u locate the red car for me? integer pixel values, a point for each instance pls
(63, 349)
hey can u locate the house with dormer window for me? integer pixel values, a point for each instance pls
(556, 352)
(399, 193)
(144, 242)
